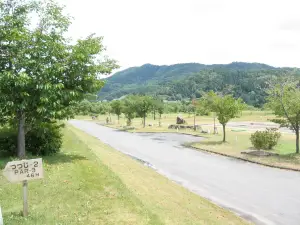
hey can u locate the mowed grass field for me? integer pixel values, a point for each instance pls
(91, 183)
(236, 141)
(166, 119)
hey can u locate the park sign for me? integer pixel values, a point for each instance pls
(24, 170)
(1, 217)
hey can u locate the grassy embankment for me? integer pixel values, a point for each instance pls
(91, 183)
(236, 141)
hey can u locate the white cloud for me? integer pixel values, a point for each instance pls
(205, 31)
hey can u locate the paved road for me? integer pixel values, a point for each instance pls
(261, 194)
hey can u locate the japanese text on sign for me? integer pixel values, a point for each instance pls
(17, 171)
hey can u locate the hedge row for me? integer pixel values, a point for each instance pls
(42, 139)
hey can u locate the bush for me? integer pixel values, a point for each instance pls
(265, 139)
(43, 139)
(8, 142)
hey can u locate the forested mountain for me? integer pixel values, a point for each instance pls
(180, 81)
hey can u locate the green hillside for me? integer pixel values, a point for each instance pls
(181, 81)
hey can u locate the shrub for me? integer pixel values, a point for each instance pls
(8, 142)
(43, 139)
(265, 139)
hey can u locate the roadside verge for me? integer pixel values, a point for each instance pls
(169, 201)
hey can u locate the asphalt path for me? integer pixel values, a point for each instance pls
(261, 194)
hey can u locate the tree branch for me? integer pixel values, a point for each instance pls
(284, 110)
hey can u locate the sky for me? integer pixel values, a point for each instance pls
(165, 32)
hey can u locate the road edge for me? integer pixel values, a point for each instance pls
(188, 145)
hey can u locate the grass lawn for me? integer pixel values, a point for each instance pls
(239, 141)
(258, 116)
(91, 183)
(167, 119)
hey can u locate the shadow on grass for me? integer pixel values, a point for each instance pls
(53, 159)
(120, 130)
(63, 158)
(16, 214)
(192, 144)
(213, 142)
(292, 157)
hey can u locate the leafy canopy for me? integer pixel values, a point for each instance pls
(42, 73)
(226, 107)
(116, 106)
(158, 105)
(143, 105)
(129, 108)
(284, 100)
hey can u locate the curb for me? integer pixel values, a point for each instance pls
(243, 159)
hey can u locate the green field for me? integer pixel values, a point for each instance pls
(236, 142)
(91, 183)
(166, 119)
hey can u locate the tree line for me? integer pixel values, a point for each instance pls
(140, 106)
(131, 107)
(283, 99)
(248, 81)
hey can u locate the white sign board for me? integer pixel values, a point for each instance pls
(1, 218)
(18, 171)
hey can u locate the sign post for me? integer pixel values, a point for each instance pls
(23, 171)
(25, 199)
(1, 218)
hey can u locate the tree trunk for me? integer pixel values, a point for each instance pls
(154, 116)
(297, 141)
(224, 133)
(144, 121)
(118, 119)
(214, 125)
(194, 121)
(21, 135)
(159, 122)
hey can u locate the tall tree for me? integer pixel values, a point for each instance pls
(284, 100)
(143, 106)
(116, 107)
(157, 106)
(129, 109)
(41, 73)
(160, 107)
(226, 108)
(84, 107)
